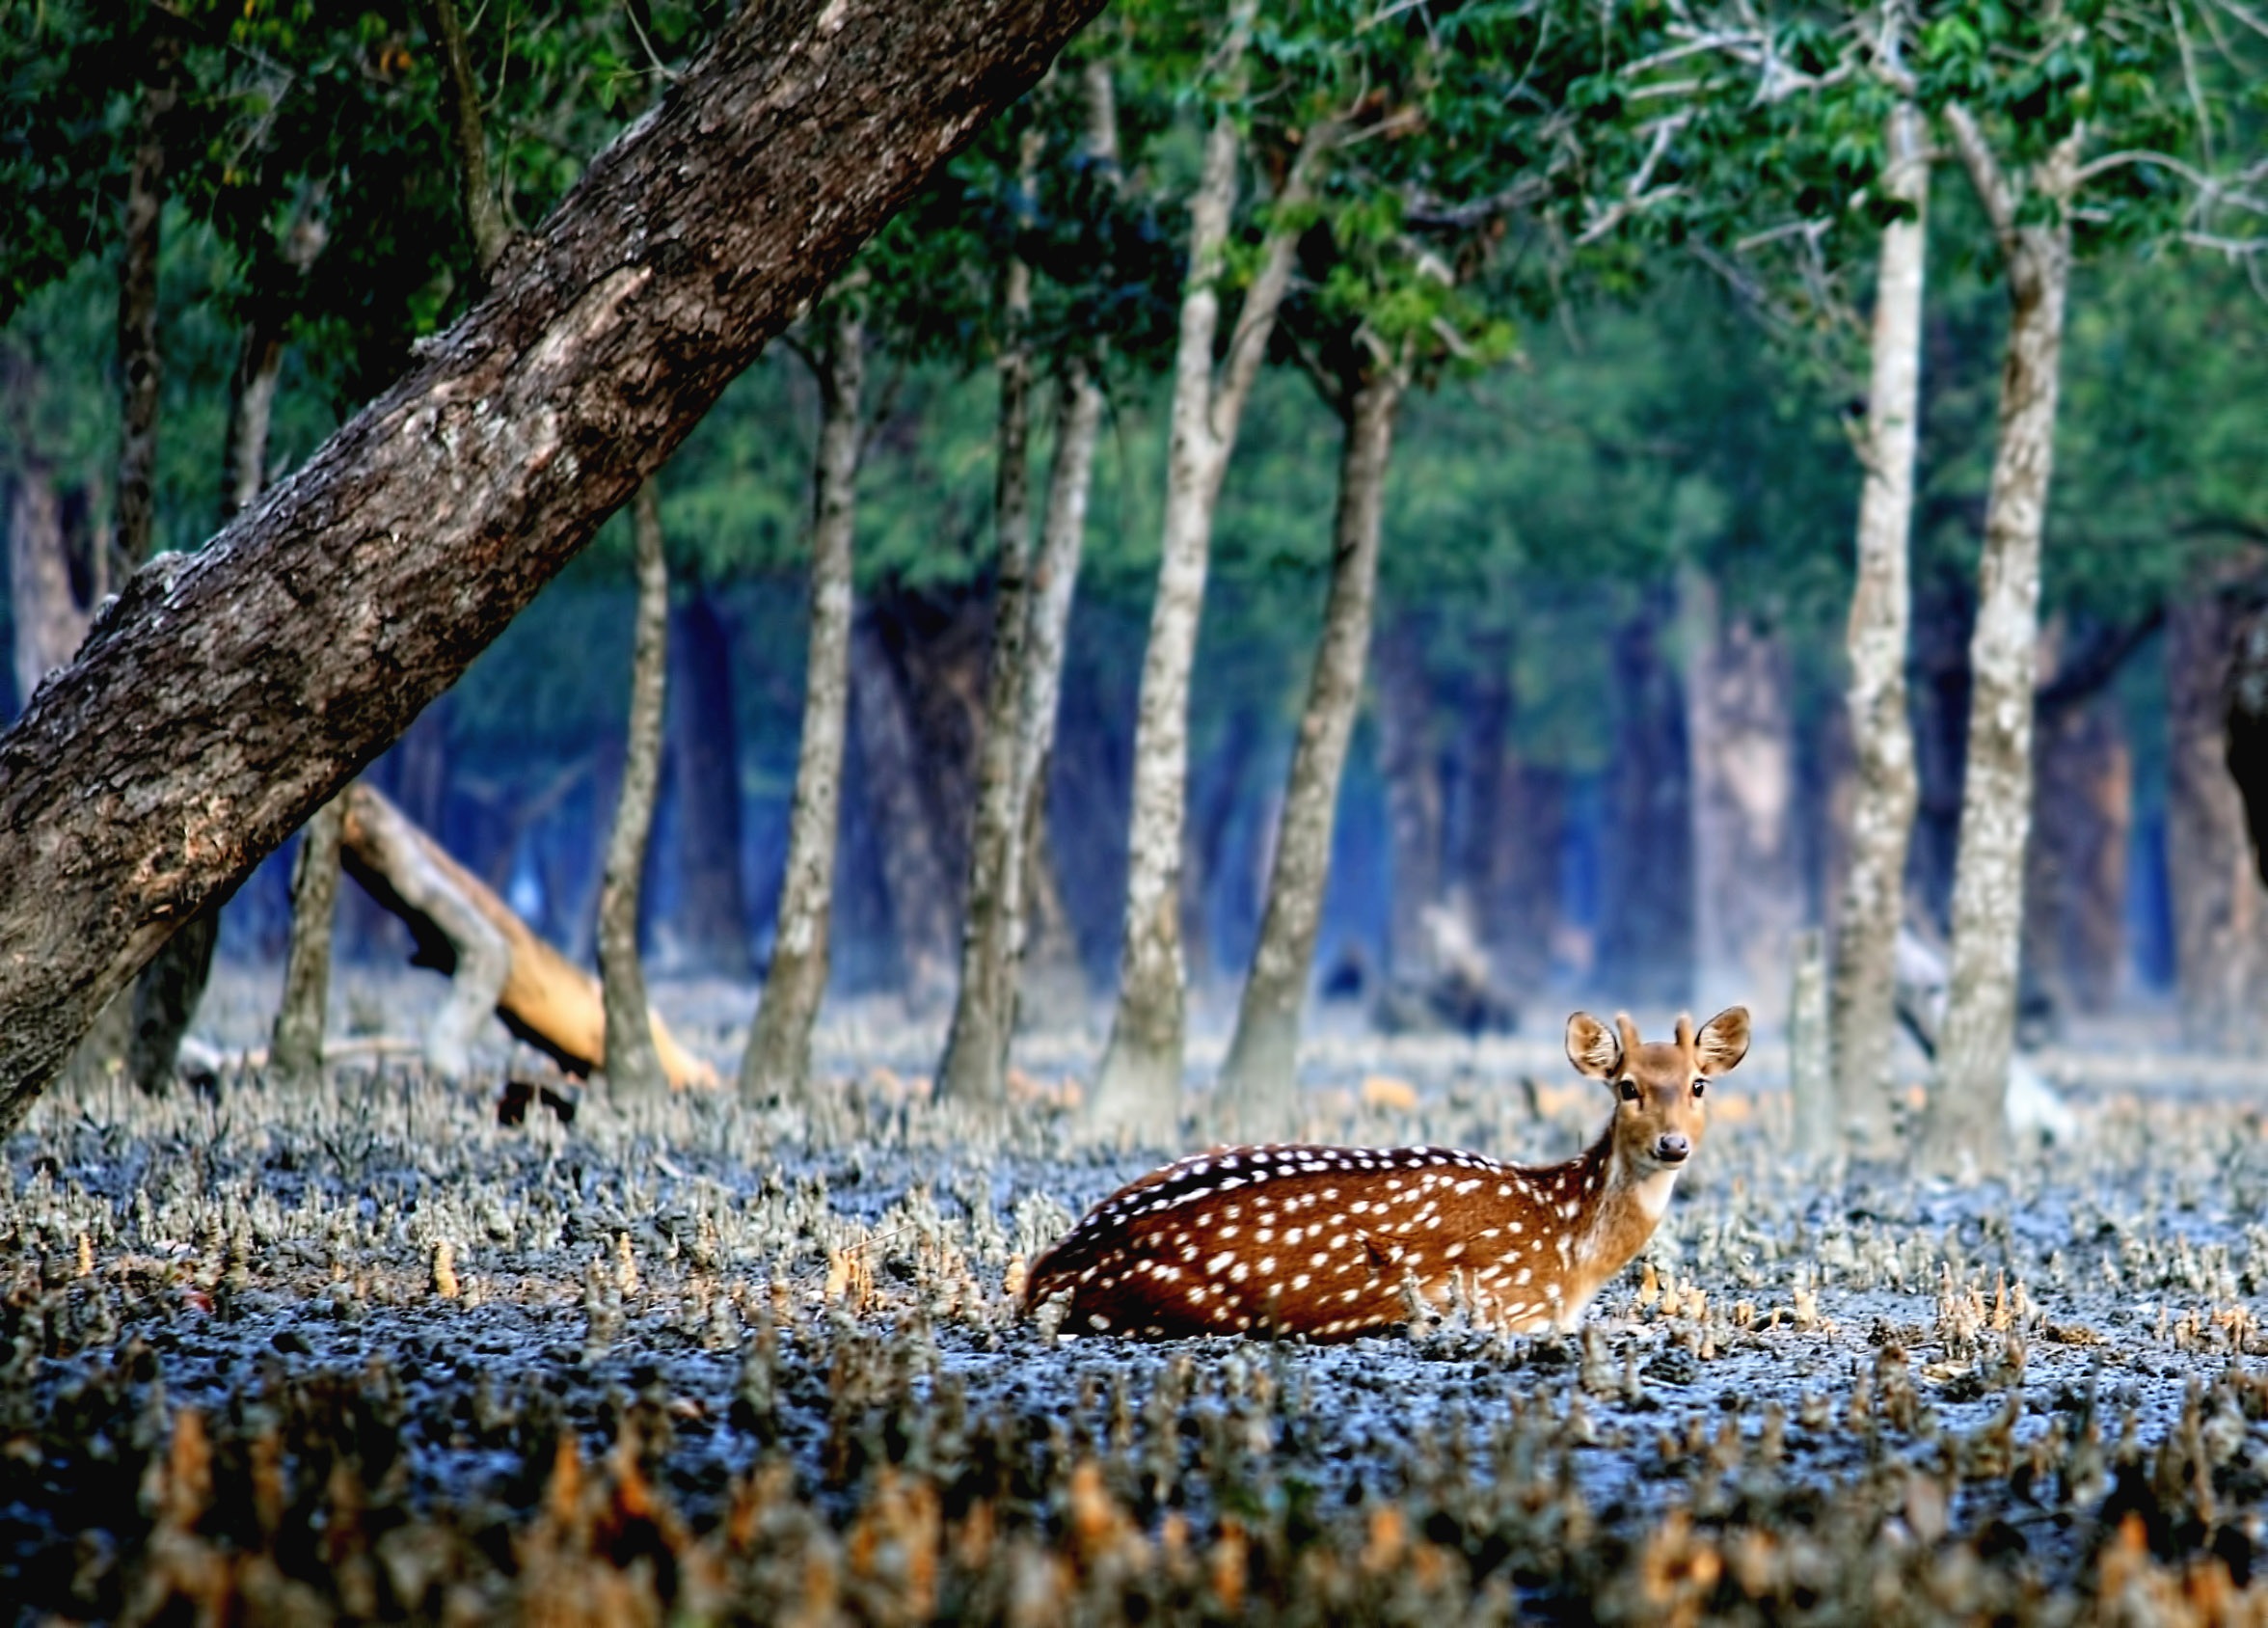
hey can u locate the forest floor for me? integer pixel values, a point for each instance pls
(368, 1351)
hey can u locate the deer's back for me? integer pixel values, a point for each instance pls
(1322, 1242)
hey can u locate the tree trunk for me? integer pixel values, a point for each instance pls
(224, 696)
(1646, 898)
(47, 618)
(1965, 1130)
(1260, 1085)
(484, 216)
(1139, 1087)
(1885, 789)
(1414, 815)
(704, 763)
(630, 1063)
(778, 1064)
(2220, 905)
(171, 988)
(295, 1048)
(495, 961)
(974, 1069)
(140, 358)
(1055, 579)
(1748, 893)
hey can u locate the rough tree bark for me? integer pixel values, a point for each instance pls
(705, 767)
(778, 1064)
(1748, 889)
(1139, 1087)
(974, 1069)
(224, 696)
(632, 1064)
(1259, 1084)
(2220, 905)
(1964, 1133)
(1876, 641)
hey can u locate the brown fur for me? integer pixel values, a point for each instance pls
(1336, 1242)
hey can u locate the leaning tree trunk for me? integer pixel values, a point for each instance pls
(1139, 1087)
(778, 1064)
(1964, 1133)
(1884, 789)
(1259, 1084)
(975, 1066)
(2219, 901)
(223, 696)
(632, 1064)
(1748, 896)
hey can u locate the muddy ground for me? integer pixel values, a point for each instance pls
(365, 1351)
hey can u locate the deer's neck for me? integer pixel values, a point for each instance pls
(1631, 1201)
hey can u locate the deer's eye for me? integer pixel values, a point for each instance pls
(1700, 1086)
(1630, 1091)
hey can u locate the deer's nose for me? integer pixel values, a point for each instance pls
(1672, 1149)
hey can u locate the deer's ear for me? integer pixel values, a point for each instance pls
(1592, 1047)
(1723, 1040)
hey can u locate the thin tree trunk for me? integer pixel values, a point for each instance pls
(1139, 1087)
(778, 1064)
(2219, 901)
(705, 762)
(632, 1064)
(1885, 788)
(484, 216)
(167, 991)
(1748, 895)
(140, 357)
(1414, 817)
(974, 1069)
(1259, 1084)
(223, 697)
(1965, 1130)
(295, 1047)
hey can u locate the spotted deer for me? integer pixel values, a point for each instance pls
(1336, 1242)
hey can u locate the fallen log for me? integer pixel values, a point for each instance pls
(495, 961)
